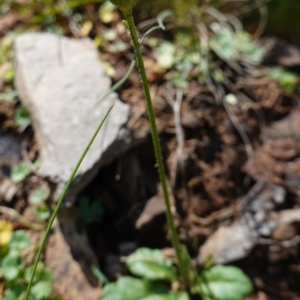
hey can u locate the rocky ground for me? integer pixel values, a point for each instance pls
(233, 166)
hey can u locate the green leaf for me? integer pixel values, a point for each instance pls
(8, 96)
(19, 172)
(250, 51)
(90, 212)
(286, 79)
(224, 283)
(40, 194)
(224, 44)
(166, 55)
(9, 295)
(129, 288)
(9, 74)
(42, 212)
(42, 280)
(41, 289)
(99, 274)
(230, 46)
(170, 296)
(19, 240)
(179, 82)
(126, 288)
(22, 117)
(37, 164)
(151, 264)
(11, 265)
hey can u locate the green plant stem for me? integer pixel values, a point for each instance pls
(60, 201)
(157, 148)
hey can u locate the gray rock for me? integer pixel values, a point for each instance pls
(60, 81)
(227, 244)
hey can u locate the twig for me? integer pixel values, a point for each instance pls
(263, 10)
(19, 218)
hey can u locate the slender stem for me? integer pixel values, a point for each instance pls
(60, 201)
(157, 148)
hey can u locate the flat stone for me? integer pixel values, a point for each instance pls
(60, 81)
(227, 244)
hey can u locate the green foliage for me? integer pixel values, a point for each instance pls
(90, 211)
(224, 283)
(19, 172)
(6, 44)
(22, 117)
(287, 80)
(97, 272)
(11, 265)
(38, 198)
(151, 264)
(42, 211)
(129, 288)
(183, 59)
(16, 274)
(8, 96)
(19, 240)
(230, 45)
(153, 268)
(40, 194)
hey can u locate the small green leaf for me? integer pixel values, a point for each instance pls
(19, 172)
(9, 295)
(224, 44)
(8, 96)
(22, 118)
(41, 274)
(126, 288)
(129, 288)
(90, 211)
(37, 163)
(11, 265)
(99, 274)
(224, 283)
(40, 194)
(18, 287)
(151, 264)
(19, 240)
(166, 55)
(42, 212)
(249, 50)
(286, 79)
(9, 74)
(170, 296)
(178, 81)
(41, 289)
